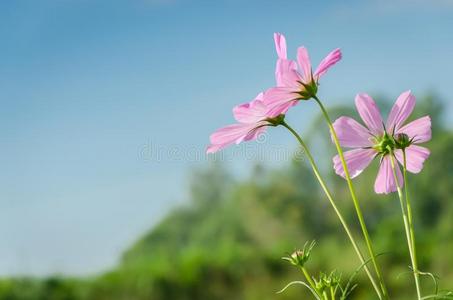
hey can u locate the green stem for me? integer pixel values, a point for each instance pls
(335, 208)
(406, 225)
(355, 201)
(411, 228)
(310, 280)
(332, 293)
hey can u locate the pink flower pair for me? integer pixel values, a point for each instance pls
(295, 81)
(380, 140)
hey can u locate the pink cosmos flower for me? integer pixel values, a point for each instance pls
(252, 120)
(379, 140)
(295, 81)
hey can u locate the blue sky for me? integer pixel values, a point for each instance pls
(106, 106)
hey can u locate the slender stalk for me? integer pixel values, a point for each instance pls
(335, 208)
(411, 226)
(332, 293)
(355, 201)
(407, 219)
(310, 280)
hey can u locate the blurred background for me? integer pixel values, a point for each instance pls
(106, 109)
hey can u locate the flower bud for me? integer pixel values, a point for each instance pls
(319, 285)
(300, 257)
(327, 281)
(402, 141)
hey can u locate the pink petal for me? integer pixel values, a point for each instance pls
(370, 114)
(385, 180)
(255, 133)
(228, 135)
(304, 63)
(331, 59)
(356, 160)
(415, 157)
(280, 45)
(214, 148)
(279, 99)
(286, 74)
(251, 112)
(401, 110)
(419, 130)
(352, 134)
